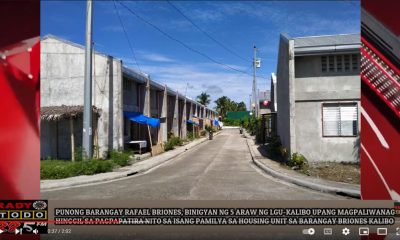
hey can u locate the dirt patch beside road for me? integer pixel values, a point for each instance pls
(333, 171)
(339, 172)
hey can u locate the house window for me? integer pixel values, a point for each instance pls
(354, 62)
(340, 63)
(339, 119)
(331, 63)
(127, 85)
(324, 64)
(346, 63)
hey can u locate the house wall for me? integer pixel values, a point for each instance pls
(311, 143)
(48, 145)
(55, 138)
(170, 114)
(154, 104)
(189, 110)
(312, 84)
(137, 94)
(313, 88)
(131, 103)
(182, 119)
(154, 112)
(285, 74)
(141, 96)
(62, 81)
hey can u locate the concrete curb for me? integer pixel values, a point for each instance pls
(140, 167)
(302, 182)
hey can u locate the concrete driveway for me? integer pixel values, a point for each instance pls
(220, 169)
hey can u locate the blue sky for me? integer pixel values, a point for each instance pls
(237, 24)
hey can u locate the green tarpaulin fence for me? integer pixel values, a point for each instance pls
(238, 115)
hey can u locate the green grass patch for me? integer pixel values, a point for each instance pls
(58, 169)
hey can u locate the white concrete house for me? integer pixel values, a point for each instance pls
(117, 92)
(317, 96)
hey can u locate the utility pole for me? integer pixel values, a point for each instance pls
(250, 103)
(187, 84)
(255, 102)
(87, 105)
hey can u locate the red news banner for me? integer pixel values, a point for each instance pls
(23, 217)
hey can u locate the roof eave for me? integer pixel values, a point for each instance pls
(307, 51)
(142, 79)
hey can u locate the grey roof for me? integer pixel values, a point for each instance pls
(326, 44)
(330, 40)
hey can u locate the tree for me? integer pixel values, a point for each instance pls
(222, 105)
(241, 107)
(225, 104)
(204, 98)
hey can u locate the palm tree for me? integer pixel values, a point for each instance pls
(204, 98)
(223, 105)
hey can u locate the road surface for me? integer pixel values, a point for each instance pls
(220, 169)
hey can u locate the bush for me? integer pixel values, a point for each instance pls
(176, 141)
(172, 142)
(274, 146)
(297, 160)
(168, 146)
(190, 136)
(231, 122)
(254, 127)
(96, 166)
(121, 158)
(251, 125)
(78, 154)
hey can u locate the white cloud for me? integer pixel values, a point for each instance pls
(155, 57)
(284, 16)
(206, 16)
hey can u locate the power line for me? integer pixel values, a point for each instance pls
(180, 42)
(205, 33)
(126, 36)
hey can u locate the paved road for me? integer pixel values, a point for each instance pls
(220, 169)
